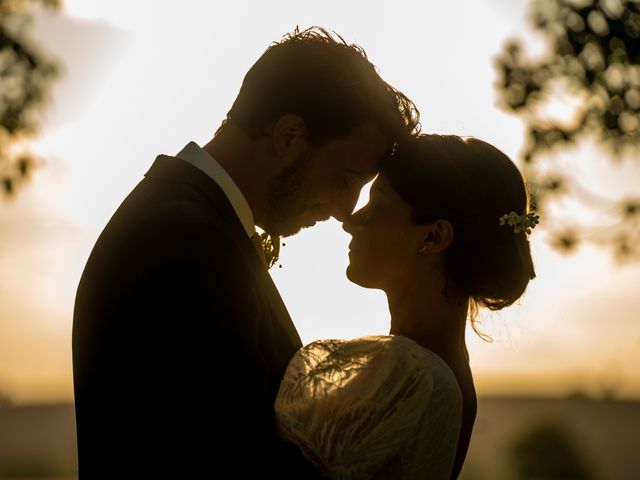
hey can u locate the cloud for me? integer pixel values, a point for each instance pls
(87, 51)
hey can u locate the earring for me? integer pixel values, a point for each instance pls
(427, 240)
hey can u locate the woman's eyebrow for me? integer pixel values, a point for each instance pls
(378, 186)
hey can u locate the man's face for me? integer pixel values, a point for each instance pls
(323, 182)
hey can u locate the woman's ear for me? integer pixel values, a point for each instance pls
(437, 236)
(289, 137)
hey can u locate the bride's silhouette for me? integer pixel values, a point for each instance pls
(445, 232)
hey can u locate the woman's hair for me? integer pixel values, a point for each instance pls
(471, 184)
(331, 84)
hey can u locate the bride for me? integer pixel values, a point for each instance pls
(445, 231)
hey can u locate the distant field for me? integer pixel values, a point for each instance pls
(605, 435)
(39, 441)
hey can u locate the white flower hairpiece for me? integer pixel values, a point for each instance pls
(520, 223)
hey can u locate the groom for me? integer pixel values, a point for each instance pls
(180, 338)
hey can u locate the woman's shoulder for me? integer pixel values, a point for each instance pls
(374, 363)
(378, 348)
(353, 405)
(371, 344)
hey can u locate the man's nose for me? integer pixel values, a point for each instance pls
(354, 221)
(347, 224)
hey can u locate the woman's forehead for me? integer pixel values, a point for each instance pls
(381, 184)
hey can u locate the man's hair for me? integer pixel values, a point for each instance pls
(331, 84)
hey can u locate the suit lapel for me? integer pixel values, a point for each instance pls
(177, 170)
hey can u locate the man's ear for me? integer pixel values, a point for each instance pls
(289, 136)
(437, 236)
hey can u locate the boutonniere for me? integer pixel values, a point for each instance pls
(270, 247)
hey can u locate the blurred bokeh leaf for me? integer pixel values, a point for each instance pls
(26, 77)
(592, 62)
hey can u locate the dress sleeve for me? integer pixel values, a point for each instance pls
(351, 406)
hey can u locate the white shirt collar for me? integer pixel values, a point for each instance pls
(200, 158)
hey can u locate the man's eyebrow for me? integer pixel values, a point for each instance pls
(356, 172)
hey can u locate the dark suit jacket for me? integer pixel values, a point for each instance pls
(180, 341)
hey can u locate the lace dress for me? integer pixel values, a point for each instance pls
(377, 407)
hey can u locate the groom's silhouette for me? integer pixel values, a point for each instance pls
(180, 338)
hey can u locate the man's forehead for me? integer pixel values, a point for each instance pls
(370, 148)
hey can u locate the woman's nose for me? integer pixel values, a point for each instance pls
(347, 226)
(351, 222)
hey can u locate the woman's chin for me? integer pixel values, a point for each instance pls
(356, 276)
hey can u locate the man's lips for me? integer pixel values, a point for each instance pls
(319, 215)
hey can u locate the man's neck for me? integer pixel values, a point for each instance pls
(240, 156)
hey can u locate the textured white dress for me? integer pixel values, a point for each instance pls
(377, 407)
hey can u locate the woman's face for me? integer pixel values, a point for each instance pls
(385, 243)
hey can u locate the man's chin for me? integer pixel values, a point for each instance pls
(288, 230)
(284, 230)
(291, 232)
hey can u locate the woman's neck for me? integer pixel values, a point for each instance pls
(425, 316)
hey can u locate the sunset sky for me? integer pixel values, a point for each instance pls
(145, 77)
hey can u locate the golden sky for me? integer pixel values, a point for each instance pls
(145, 77)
